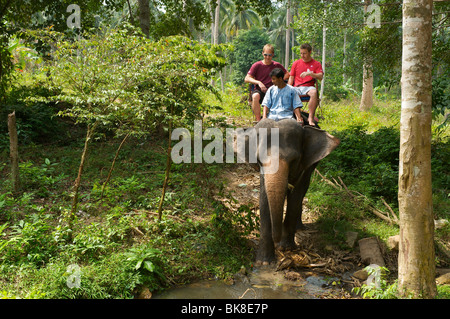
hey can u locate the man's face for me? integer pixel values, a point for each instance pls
(277, 81)
(305, 54)
(268, 55)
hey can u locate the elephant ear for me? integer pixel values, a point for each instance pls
(245, 145)
(317, 144)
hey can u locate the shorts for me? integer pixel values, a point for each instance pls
(303, 90)
(261, 95)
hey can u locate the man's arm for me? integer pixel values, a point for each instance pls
(297, 104)
(267, 103)
(298, 115)
(252, 80)
(265, 111)
(317, 76)
(291, 80)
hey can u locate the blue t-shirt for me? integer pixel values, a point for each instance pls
(281, 102)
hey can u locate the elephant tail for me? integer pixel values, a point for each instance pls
(276, 186)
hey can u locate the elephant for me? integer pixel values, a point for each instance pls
(297, 154)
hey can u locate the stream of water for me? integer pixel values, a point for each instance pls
(261, 283)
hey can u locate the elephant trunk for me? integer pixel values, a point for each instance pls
(276, 187)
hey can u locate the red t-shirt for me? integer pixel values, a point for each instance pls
(261, 72)
(300, 66)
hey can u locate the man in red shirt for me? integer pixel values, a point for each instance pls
(303, 76)
(259, 76)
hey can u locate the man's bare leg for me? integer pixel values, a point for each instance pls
(256, 107)
(312, 105)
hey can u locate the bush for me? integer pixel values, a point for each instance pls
(366, 162)
(248, 47)
(35, 120)
(31, 241)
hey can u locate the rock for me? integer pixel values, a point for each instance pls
(361, 274)
(440, 223)
(243, 271)
(393, 241)
(442, 271)
(444, 279)
(351, 237)
(370, 251)
(144, 294)
(292, 275)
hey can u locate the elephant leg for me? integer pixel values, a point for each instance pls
(303, 186)
(266, 250)
(276, 187)
(293, 214)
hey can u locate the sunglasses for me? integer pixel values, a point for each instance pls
(265, 54)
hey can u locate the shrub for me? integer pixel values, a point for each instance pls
(366, 162)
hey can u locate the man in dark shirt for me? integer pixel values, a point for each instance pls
(259, 76)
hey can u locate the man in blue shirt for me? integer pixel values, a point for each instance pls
(281, 100)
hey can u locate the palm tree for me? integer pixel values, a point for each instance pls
(277, 30)
(235, 20)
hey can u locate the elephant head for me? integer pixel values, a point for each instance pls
(287, 154)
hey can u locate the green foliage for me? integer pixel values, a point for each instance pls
(147, 261)
(248, 46)
(121, 79)
(41, 179)
(35, 120)
(367, 162)
(379, 288)
(30, 240)
(441, 98)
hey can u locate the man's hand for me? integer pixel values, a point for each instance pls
(263, 87)
(307, 73)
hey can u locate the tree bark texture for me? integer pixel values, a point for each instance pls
(416, 265)
(71, 218)
(168, 166)
(14, 152)
(217, 23)
(324, 54)
(288, 35)
(367, 92)
(144, 16)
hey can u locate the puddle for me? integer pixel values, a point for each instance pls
(261, 283)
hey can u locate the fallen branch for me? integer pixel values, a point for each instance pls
(353, 197)
(327, 180)
(390, 209)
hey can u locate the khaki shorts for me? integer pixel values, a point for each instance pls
(303, 90)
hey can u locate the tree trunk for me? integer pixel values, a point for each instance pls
(344, 61)
(76, 186)
(416, 265)
(288, 35)
(131, 12)
(216, 29)
(324, 51)
(367, 92)
(292, 46)
(144, 16)
(168, 166)
(216, 23)
(14, 152)
(112, 166)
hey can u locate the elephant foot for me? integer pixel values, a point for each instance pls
(265, 256)
(286, 245)
(260, 263)
(300, 225)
